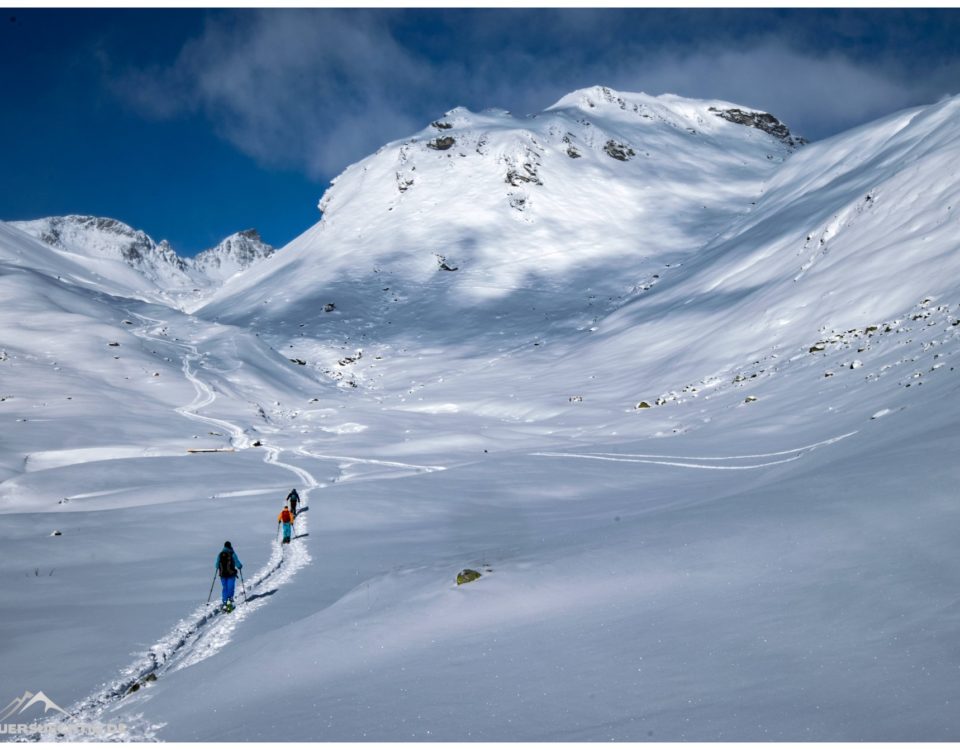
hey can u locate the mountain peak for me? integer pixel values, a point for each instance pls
(107, 239)
(676, 110)
(64, 232)
(761, 121)
(490, 190)
(233, 254)
(593, 96)
(115, 249)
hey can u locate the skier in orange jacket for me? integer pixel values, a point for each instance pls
(286, 518)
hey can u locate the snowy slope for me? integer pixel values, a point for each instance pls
(849, 234)
(589, 198)
(691, 415)
(100, 407)
(67, 345)
(551, 220)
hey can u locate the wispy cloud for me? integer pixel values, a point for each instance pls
(292, 88)
(318, 89)
(816, 95)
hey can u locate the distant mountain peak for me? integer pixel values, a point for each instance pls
(233, 254)
(54, 230)
(101, 223)
(108, 240)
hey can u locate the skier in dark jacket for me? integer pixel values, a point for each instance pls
(293, 499)
(228, 566)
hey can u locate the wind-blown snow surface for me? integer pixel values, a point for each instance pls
(765, 549)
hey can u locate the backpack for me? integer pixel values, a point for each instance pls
(227, 568)
(285, 516)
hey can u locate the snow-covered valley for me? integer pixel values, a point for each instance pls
(678, 385)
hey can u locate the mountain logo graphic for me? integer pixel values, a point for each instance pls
(26, 701)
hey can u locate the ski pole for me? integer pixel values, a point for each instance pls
(278, 531)
(211, 586)
(243, 586)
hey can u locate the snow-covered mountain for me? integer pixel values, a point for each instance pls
(234, 254)
(589, 199)
(134, 262)
(849, 234)
(619, 251)
(680, 387)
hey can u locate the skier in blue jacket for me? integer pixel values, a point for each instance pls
(228, 565)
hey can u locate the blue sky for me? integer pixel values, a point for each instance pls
(192, 124)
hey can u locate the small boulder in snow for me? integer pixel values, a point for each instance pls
(466, 576)
(443, 265)
(56, 532)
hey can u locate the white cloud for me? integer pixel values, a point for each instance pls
(318, 89)
(312, 90)
(815, 95)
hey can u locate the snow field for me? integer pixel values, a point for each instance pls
(765, 551)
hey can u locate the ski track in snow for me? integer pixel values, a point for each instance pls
(283, 564)
(687, 461)
(207, 630)
(372, 461)
(205, 397)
